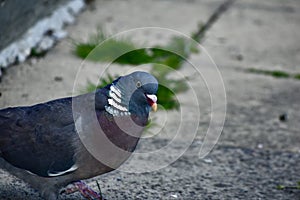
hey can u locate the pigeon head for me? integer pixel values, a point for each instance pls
(133, 94)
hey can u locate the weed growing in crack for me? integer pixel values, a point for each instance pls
(173, 55)
(274, 73)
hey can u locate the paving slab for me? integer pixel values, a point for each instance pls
(256, 152)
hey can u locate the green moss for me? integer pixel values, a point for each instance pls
(297, 76)
(274, 73)
(280, 187)
(279, 74)
(294, 187)
(35, 53)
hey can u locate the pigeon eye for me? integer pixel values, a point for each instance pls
(138, 84)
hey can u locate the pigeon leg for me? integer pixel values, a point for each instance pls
(70, 190)
(85, 190)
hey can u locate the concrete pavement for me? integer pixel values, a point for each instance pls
(256, 151)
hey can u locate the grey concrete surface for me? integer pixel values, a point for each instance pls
(256, 151)
(227, 173)
(17, 16)
(34, 26)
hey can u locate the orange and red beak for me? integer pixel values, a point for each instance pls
(152, 99)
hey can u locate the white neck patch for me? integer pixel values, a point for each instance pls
(115, 106)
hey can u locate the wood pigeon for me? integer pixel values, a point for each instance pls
(45, 145)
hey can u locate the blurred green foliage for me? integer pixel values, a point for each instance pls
(274, 73)
(297, 76)
(173, 55)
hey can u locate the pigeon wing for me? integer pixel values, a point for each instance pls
(41, 138)
(38, 138)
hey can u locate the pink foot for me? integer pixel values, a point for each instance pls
(85, 190)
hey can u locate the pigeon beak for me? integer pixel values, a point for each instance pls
(154, 107)
(152, 99)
